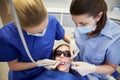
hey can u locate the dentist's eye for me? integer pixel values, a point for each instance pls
(84, 24)
(81, 24)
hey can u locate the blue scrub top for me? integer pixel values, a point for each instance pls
(104, 47)
(11, 47)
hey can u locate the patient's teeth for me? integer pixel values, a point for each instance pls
(62, 62)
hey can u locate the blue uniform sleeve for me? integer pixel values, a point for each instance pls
(113, 53)
(59, 31)
(7, 51)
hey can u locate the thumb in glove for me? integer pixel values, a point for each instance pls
(47, 63)
(83, 68)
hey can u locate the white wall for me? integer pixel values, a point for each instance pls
(3, 71)
(57, 3)
(115, 15)
(1, 23)
(112, 3)
(3, 65)
(66, 3)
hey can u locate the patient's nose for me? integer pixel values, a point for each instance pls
(62, 55)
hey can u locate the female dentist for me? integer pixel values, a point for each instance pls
(97, 37)
(40, 31)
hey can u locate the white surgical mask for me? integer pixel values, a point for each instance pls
(85, 29)
(39, 34)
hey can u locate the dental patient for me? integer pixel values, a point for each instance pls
(63, 71)
(62, 54)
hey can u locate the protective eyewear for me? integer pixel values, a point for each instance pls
(65, 53)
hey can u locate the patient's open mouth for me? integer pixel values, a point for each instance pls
(62, 63)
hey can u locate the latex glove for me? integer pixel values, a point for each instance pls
(73, 49)
(83, 68)
(47, 63)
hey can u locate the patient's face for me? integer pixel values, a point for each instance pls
(64, 58)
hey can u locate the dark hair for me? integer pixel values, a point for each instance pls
(57, 49)
(92, 8)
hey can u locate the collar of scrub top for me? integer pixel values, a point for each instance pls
(107, 29)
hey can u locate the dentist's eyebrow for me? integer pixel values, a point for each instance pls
(83, 23)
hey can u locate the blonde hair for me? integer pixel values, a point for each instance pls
(30, 12)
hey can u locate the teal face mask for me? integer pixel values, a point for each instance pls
(85, 29)
(38, 34)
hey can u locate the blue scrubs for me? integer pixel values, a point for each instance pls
(56, 75)
(97, 50)
(49, 75)
(77, 75)
(11, 47)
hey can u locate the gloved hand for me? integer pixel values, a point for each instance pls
(47, 63)
(83, 68)
(73, 49)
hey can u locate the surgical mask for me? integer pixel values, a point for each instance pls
(39, 34)
(85, 29)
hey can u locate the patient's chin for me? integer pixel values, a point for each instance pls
(63, 68)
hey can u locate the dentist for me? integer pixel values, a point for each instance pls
(40, 31)
(97, 37)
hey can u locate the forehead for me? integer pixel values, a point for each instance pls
(82, 18)
(63, 47)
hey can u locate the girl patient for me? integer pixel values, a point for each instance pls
(62, 54)
(63, 70)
